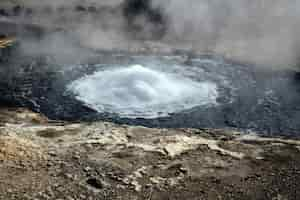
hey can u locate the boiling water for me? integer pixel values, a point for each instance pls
(137, 91)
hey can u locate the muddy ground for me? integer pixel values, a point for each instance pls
(42, 159)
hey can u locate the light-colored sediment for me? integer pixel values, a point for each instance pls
(88, 159)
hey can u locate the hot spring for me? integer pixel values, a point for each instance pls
(137, 91)
(176, 91)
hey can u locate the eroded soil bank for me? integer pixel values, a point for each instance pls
(42, 159)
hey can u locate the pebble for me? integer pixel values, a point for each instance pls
(52, 153)
(96, 183)
(87, 169)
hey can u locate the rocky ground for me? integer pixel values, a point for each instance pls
(42, 159)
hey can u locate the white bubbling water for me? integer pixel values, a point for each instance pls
(138, 91)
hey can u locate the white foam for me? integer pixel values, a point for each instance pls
(138, 91)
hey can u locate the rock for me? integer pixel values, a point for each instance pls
(76, 157)
(184, 170)
(96, 183)
(52, 153)
(80, 8)
(140, 172)
(87, 169)
(69, 176)
(137, 186)
(157, 180)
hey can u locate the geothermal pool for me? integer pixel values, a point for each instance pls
(163, 91)
(137, 91)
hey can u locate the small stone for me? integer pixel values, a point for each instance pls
(172, 182)
(259, 158)
(69, 176)
(183, 170)
(126, 181)
(77, 157)
(52, 153)
(137, 186)
(96, 183)
(87, 169)
(120, 186)
(157, 180)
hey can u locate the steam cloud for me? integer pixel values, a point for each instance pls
(262, 31)
(265, 32)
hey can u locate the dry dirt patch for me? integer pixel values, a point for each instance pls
(20, 150)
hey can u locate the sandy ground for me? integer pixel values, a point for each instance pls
(40, 159)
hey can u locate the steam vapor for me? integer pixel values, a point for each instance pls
(260, 31)
(264, 32)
